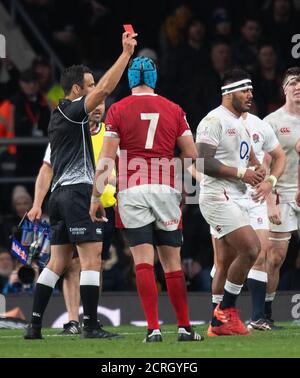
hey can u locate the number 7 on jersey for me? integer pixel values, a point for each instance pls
(153, 118)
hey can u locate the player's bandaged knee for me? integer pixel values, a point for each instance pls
(170, 238)
(139, 235)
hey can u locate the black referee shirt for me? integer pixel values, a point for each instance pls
(72, 157)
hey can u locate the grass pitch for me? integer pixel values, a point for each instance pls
(283, 343)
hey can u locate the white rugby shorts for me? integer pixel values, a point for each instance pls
(224, 216)
(144, 204)
(290, 218)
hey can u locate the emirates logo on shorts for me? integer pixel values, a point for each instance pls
(218, 228)
(285, 130)
(259, 220)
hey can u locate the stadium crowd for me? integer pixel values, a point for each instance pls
(193, 44)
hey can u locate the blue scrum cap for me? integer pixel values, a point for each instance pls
(142, 71)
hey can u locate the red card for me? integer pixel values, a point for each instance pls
(128, 28)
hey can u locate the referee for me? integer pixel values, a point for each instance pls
(73, 172)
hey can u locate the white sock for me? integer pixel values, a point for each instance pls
(232, 288)
(89, 278)
(48, 278)
(270, 297)
(217, 298)
(258, 275)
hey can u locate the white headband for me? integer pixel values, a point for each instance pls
(237, 86)
(290, 79)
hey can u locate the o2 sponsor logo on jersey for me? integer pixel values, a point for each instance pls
(255, 138)
(231, 132)
(244, 150)
(285, 130)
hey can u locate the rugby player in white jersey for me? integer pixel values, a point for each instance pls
(263, 140)
(284, 213)
(224, 143)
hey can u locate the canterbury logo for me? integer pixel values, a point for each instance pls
(231, 132)
(285, 130)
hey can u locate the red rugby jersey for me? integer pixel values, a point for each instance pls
(148, 126)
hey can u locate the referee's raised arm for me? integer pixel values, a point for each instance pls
(110, 79)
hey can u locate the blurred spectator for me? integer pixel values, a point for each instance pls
(40, 12)
(6, 267)
(21, 202)
(7, 88)
(174, 26)
(48, 87)
(222, 26)
(9, 84)
(31, 118)
(171, 37)
(281, 22)
(205, 94)
(42, 69)
(22, 279)
(267, 81)
(246, 49)
(55, 94)
(192, 59)
(65, 21)
(97, 22)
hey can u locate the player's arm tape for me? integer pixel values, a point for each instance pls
(280, 239)
(241, 172)
(95, 199)
(272, 179)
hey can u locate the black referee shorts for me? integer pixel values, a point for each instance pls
(109, 232)
(69, 216)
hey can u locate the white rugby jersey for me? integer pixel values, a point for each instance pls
(224, 130)
(287, 129)
(263, 138)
